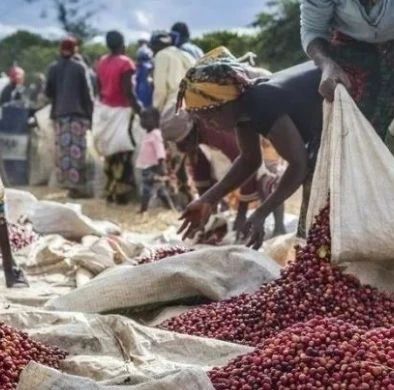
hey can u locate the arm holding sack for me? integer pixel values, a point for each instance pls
(316, 17)
(295, 154)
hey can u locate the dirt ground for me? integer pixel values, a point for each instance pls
(127, 217)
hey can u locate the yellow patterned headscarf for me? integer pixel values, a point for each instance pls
(217, 78)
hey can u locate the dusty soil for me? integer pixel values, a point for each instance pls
(157, 219)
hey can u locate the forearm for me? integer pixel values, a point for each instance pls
(319, 51)
(128, 90)
(292, 179)
(202, 190)
(316, 20)
(162, 167)
(241, 171)
(242, 209)
(134, 101)
(132, 98)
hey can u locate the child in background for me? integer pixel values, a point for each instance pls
(151, 160)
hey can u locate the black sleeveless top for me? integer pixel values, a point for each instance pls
(292, 92)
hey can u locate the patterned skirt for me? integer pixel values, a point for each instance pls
(70, 152)
(371, 71)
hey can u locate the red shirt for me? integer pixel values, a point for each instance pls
(110, 70)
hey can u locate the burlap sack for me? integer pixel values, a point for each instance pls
(357, 169)
(37, 376)
(213, 273)
(42, 148)
(18, 204)
(50, 217)
(48, 255)
(110, 128)
(115, 350)
(53, 253)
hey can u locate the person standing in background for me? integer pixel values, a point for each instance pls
(183, 40)
(151, 160)
(170, 66)
(15, 90)
(116, 90)
(144, 76)
(69, 90)
(79, 56)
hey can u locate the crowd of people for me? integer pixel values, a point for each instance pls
(177, 159)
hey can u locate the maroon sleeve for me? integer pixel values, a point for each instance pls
(226, 141)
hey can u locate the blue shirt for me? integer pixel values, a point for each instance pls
(144, 85)
(192, 49)
(320, 17)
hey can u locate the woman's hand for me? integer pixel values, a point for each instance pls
(253, 231)
(332, 75)
(195, 217)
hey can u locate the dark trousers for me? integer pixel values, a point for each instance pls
(152, 184)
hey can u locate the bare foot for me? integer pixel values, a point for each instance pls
(16, 278)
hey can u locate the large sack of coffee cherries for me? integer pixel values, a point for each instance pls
(357, 169)
(313, 328)
(316, 327)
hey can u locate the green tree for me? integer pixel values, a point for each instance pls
(278, 40)
(30, 51)
(34, 53)
(238, 44)
(75, 16)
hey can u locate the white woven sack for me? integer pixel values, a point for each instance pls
(18, 204)
(67, 220)
(37, 376)
(110, 129)
(42, 148)
(357, 169)
(113, 350)
(217, 274)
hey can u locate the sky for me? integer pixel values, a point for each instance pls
(135, 18)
